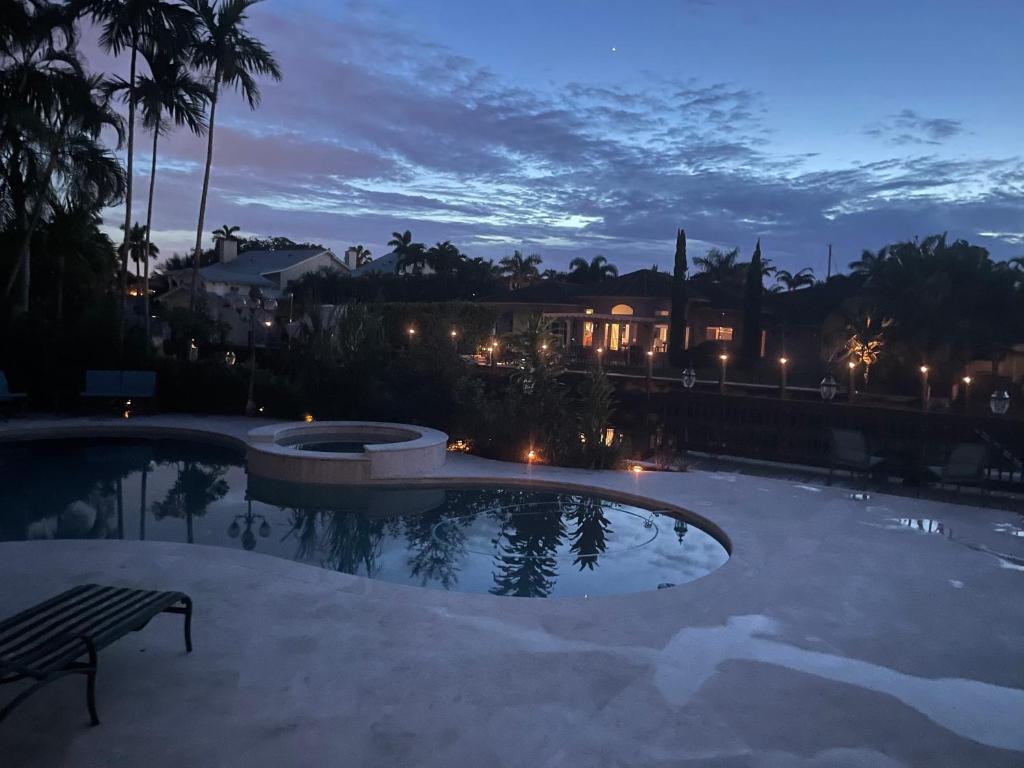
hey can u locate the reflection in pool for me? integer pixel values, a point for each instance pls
(501, 540)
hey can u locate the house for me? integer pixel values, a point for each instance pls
(624, 316)
(226, 283)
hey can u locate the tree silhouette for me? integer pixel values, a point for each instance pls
(677, 320)
(590, 537)
(526, 564)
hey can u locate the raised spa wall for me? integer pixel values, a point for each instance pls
(391, 451)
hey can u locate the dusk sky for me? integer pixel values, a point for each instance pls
(580, 128)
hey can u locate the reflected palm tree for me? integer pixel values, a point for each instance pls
(436, 556)
(527, 543)
(349, 541)
(196, 488)
(590, 537)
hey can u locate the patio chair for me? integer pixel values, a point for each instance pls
(48, 641)
(6, 396)
(965, 465)
(849, 451)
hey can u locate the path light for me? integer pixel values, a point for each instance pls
(531, 456)
(721, 376)
(783, 361)
(967, 391)
(852, 386)
(689, 377)
(636, 469)
(999, 402)
(454, 333)
(827, 388)
(308, 418)
(924, 386)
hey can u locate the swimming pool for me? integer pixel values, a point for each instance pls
(502, 540)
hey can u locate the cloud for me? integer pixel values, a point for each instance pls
(907, 127)
(374, 129)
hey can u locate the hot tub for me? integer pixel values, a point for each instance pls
(341, 452)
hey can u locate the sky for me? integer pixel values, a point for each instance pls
(582, 127)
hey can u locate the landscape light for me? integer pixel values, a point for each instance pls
(268, 322)
(852, 365)
(924, 370)
(412, 331)
(650, 353)
(636, 469)
(308, 418)
(967, 380)
(783, 360)
(723, 357)
(454, 334)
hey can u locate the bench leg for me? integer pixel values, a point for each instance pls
(90, 682)
(186, 609)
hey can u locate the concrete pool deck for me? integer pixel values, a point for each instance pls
(840, 633)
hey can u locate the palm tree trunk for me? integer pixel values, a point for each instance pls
(206, 188)
(149, 223)
(127, 199)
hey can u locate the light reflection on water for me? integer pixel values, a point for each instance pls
(506, 541)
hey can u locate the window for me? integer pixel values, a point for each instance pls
(718, 333)
(622, 309)
(588, 311)
(661, 313)
(588, 333)
(660, 342)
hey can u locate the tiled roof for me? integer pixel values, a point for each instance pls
(249, 267)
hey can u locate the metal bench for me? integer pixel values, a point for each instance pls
(120, 384)
(48, 641)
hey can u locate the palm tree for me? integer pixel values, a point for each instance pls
(140, 248)
(594, 271)
(169, 96)
(233, 57)
(225, 232)
(410, 255)
(126, 25)
(870, 265)
(520, 269)
(363, 255)
(719, 265)
(57, 158)
(443, 258)
(794, 281)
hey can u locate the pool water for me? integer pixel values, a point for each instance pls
(495, 539)
(333, 446)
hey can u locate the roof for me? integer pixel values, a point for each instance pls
(250, 267)
(647, 283)
(811, 305)
(384, 265)
(540, 292)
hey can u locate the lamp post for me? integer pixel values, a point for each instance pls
(258, 305)
(967, 393)
(412, 335)
(455, 339)
(924, 387)
(724, 358)
(783, 362)
(598, 351)
(851, 386)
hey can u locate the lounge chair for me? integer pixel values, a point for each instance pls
(48, 641)
(965, 465)
(849, 451)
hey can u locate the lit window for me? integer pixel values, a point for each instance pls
(609, 436)
(661, 313)
(588, 333)
(660, 338)
(718, 333)
(588, 311)
(622, 309)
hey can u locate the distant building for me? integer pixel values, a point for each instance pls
(225, 285)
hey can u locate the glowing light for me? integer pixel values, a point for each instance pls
(967, 380)
(852, 365)
(454, 334)
(531, 455)
(458, 446)
(599, 350)
(307, 417)
(650, 353)
(723, 357)
(412, 331)
(924, 369)
(268, 322)
(544, 346)
(783, 360)
(636, 469)
(260, 409)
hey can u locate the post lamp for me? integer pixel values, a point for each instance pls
(724, 358)
(248, 520)
(827, 388)
(599, 351)
(783, 363)
(924, 387)
(230, 358)
(999, 402)
(490, 352)
(455, 339)
(412, 335)
(851, 391)
(193, 351)
(967, 392)
(260, 308)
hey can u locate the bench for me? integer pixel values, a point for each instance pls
(6, 396)
(48, 641)
(120, 384)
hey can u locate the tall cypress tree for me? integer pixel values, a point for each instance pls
(752, 294)
(677, 322)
